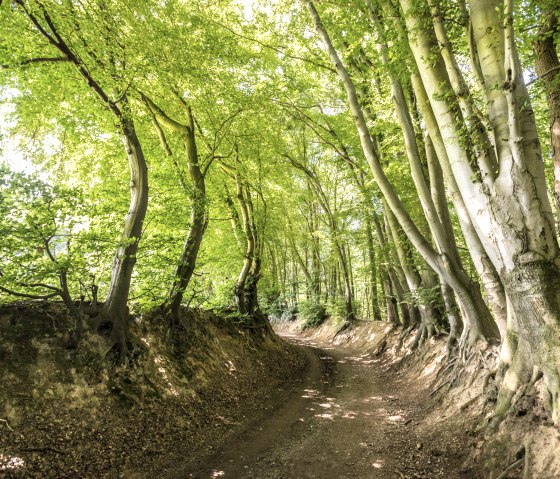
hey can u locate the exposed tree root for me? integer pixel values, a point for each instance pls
(489, 375)
(346, 326)
(511, 467)
(466, 404)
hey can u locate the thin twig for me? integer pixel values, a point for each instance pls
(548, 72)
(7, 425)
(510, 468)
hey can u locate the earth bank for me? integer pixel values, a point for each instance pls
(221, 398)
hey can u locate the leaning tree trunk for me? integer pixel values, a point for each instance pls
(115, 309)
(198, 222)
(547, 67)
(246, 285)
(372, 263)
(508, 206)
(198, 208)
(251, 294)
(409, 278)
(480, 321)
(486, 270)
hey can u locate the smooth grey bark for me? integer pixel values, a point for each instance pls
(485, 268)
(390, 300)
(197, 194)
(512, 211)
(487, 272)
(372, 263)
(395, 293)
(243, 305)
(246, 286)
(437, 188)
(482, 324)
(115, 309)
(428, 315)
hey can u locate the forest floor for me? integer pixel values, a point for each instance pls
(224, 400)
(347, 417)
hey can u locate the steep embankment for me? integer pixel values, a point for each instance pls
(223, 400)
(441, 407)
(349, 417)
(63, 414)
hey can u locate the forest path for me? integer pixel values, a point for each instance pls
(346, 418)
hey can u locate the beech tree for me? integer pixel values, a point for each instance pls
(395, 170)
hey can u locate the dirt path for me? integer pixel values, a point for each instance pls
(345, 419)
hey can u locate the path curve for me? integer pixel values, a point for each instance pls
(342, 420)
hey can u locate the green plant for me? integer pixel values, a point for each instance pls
(337, 310)
(311, 313)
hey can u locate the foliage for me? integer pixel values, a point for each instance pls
(311, 313)
(44, 231)
(336, 310)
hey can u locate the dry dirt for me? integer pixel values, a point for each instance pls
(348, 417)
(227, 401)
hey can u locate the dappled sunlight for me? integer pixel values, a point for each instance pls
(8, 463)
(395, 418)
(216, 473)
(159, 360)
(379, 464)
(362, 359)
(372, 398)
(432, 365)
(310, 393)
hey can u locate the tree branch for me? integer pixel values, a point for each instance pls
(277, 49)
(58, 42)
(30, 296)
(37, 60)
(546, 73)
(162, 117)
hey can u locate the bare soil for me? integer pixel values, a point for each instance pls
(348, 417)
(224, 400)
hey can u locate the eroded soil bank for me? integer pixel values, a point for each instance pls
(221, 399)
(348, 417)
(64, 413)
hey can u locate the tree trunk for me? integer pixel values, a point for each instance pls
(115, 308)
(198, 208)
(374, 300)
(547, 67)
(249, 251)
(397, 286)
(486, 271)
(390, 300)
(512, 211)
(198, 223)
(251, 293)
(480, 320)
